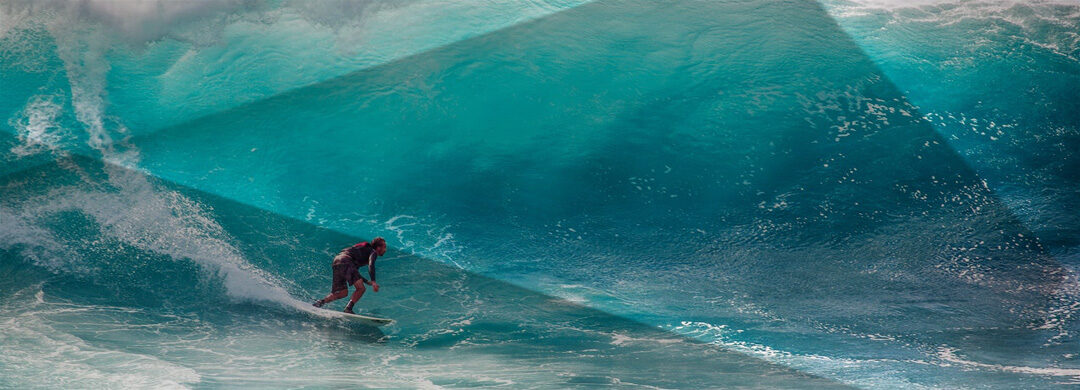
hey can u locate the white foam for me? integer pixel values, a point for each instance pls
(425, 237)
(949, 355)
(36, 126)
(867, 373)
(166, 222)
(37, 244)
(148, 218)
(37, 354)
(133, 210)
(619, 339)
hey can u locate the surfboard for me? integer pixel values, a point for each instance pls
(367, 319)
(327, 313)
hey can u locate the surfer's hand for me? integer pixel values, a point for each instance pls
(375, 286)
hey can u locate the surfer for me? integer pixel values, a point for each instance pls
(346, 267)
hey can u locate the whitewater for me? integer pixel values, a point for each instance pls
(694, 194)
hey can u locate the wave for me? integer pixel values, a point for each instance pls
(248, 50)
(993, 78)
(779, 256)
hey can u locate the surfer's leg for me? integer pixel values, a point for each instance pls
(332, 297)
(360, 289)
(356, 295)
(339, 286)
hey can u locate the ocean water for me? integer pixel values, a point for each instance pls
(688, 194)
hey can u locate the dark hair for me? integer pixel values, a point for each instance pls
(378, 242)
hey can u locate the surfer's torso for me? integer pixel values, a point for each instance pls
(361, 254)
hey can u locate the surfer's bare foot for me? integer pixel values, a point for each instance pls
(349, 310)
(319, 303)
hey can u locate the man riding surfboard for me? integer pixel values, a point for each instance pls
(346, 267)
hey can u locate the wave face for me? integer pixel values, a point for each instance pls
(751, 194)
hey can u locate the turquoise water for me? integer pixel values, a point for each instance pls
(696, 194)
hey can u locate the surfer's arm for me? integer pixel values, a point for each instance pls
(371, 267)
